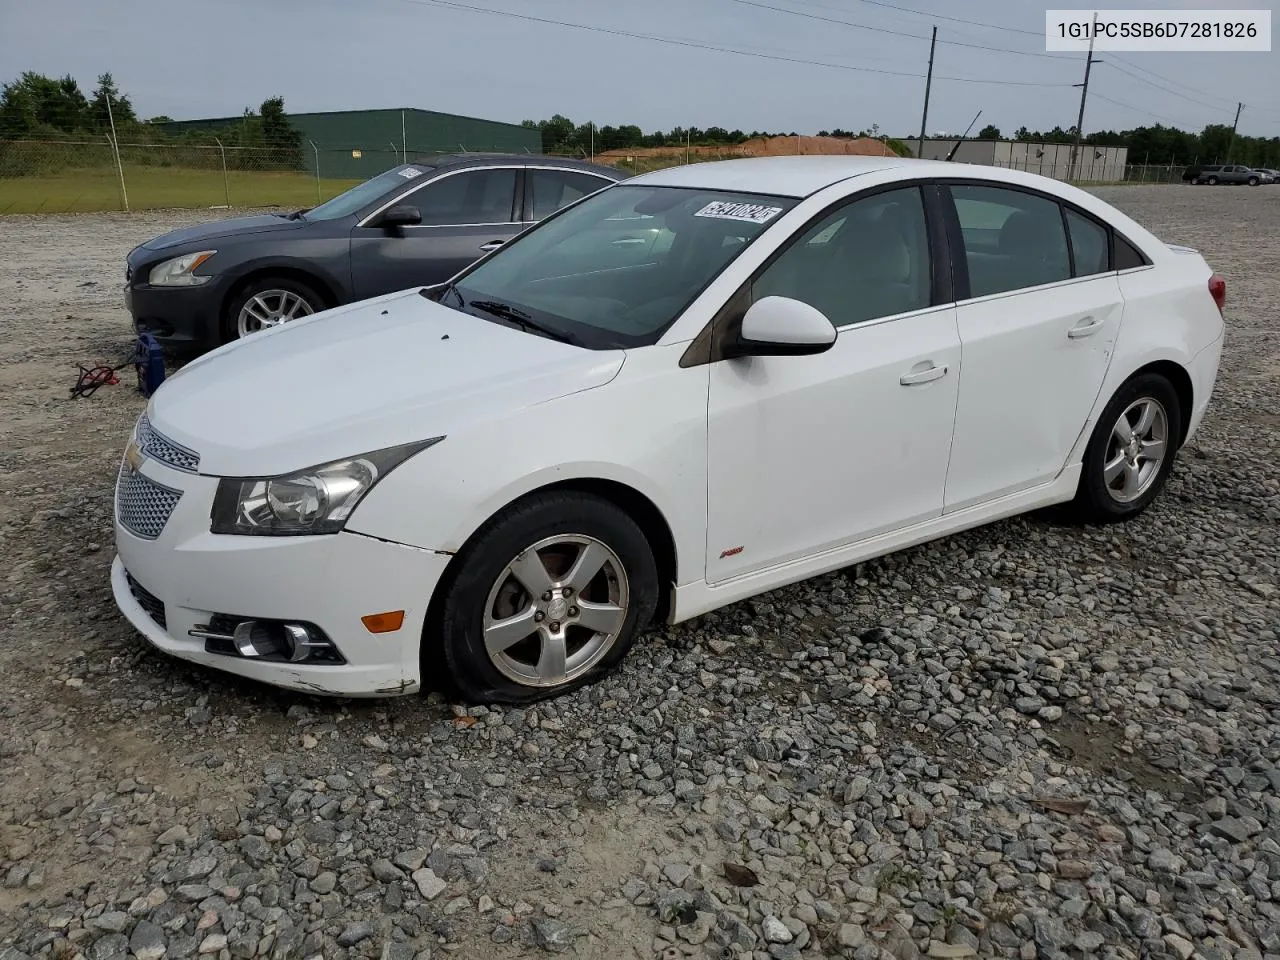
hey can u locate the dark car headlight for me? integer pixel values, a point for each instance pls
(315, 500)
(180, 271)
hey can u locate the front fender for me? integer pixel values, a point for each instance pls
(440, 497)
(329, 267)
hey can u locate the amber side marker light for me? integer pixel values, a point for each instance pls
(383, 622)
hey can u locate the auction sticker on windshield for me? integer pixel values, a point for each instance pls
(410, 172)
(750, 212)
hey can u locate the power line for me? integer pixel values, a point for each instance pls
(1167, 80)
(1225, 104)
(1173, 93)
(737, 51)
(900, 33)
(675, 41)
(845, 23)
(1128, 106)
(938, 16)
(717, 48)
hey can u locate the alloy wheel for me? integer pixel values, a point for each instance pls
(556, 610)
(270, 308)
(1136, 450)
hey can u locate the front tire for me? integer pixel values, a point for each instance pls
(1131, 451)
(1212, 181)
(266, 303)
(1253, 181)
(547, 597)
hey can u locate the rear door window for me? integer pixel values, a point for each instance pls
(1089, 245)
(1012, 239)
(552, 189)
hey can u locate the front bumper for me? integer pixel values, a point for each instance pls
(330, 581)
(187, 319)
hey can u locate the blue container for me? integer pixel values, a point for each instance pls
(149, 360)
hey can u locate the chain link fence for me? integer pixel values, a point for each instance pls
(97, 174)
(1155, 172)
(1084, 171)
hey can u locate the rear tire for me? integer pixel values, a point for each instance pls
(1212, 181)
(509, 625)
(272, 301)
(1131, 451)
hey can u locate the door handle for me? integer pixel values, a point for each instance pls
(923, 376)
(491, 245)
(1085, 328)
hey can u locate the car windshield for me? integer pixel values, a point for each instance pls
(348, 202)
(618, 268)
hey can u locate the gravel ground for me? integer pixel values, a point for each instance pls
(1032, 740)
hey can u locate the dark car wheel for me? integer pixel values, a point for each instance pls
(546, 598)
(1253, 181)
(1131, 452)
(267, 303)
(1212, 181)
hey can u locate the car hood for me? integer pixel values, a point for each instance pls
(218, 229)
(359, 378)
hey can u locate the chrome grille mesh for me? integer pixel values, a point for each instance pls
(165, 450)
(143, 505)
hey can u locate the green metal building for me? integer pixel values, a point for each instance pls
(357, 144)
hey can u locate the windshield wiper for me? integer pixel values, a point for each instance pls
(296, 215)
(520, 318)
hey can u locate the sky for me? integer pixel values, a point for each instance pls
(191, 61)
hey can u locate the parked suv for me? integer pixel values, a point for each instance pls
(1214, 174)
(415, 224)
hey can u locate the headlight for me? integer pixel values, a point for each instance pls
(178, 272)
(315, 500)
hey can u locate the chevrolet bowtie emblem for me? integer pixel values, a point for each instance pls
(134, 456)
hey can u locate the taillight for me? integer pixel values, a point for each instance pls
(1218, 290)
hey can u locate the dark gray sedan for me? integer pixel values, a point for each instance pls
(417, 223)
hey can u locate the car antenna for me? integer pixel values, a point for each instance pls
(963, 136)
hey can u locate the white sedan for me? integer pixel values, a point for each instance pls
(680, 391)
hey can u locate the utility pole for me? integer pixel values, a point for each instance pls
(1236, 123)
(928, 82)
(1084, 92)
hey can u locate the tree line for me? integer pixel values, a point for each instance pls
(561, 135)
(38, 107)
(1156, 144)
(1160, 144)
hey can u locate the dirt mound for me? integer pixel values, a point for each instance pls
(761, 147)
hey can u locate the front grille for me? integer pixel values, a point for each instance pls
(155, 444)
(148, 601)
(143, 505)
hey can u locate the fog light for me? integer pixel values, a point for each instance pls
(273, 641)
(255, 639)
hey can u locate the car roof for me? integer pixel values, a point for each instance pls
(521, 159)
(797, 176)
(803, 176)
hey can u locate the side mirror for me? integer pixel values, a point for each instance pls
(402, 215)
(781, 327)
